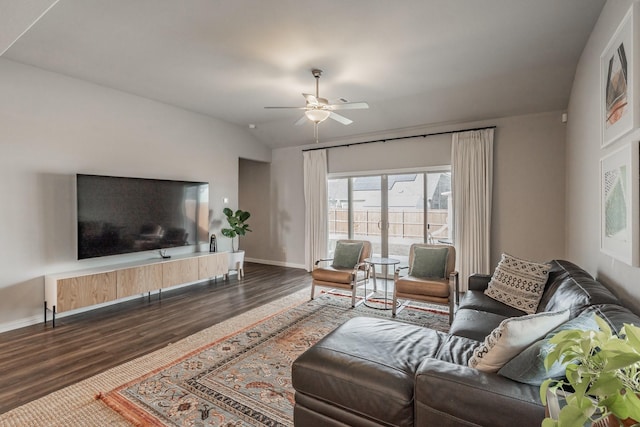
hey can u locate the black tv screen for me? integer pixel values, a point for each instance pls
(118, 215)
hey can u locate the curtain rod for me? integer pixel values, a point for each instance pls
(424, 135)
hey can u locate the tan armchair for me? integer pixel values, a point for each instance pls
(347, 270)
(431, 278)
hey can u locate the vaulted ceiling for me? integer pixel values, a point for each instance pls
(416, 62)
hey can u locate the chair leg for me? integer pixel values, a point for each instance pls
(313, 288)
(395, 304)
(402, 306)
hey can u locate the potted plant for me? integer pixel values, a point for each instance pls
(237, 227)
(603, 372)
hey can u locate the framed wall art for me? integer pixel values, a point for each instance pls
(618, 83)
(619, 216)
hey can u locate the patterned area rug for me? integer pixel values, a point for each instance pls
(244, 379)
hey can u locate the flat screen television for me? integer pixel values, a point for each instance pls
(118, 215)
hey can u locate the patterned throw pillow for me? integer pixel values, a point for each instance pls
(512, 336)
(518, 283)
(346, 254)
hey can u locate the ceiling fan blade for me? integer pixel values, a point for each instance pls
(350, 106)
(294, 108)
(341, 119)
(311, 99)
(302, 120)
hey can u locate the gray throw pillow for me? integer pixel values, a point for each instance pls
(528, 366)
(429, 262)
(346, 254)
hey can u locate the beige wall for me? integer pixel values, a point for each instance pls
(529, 190)
(52, 127)
(583, 164)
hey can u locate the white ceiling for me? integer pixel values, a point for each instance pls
(416, 62)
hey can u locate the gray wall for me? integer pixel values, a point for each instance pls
(255, 196)
(583, 164)
(529, 190)
(53, 127)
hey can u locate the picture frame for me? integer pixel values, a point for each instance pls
(619, 112)
(619, 190)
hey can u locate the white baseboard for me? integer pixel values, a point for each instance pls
(277, 263)
(21, 323)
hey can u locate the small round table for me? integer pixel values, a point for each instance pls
(385, 263)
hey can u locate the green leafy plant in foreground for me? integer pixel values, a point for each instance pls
(603, 372)
(237, 223)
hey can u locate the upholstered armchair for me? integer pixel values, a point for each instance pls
(431, 278)
(347, 269)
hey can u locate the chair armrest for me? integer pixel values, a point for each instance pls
(479, 282)
(361, 266)
(323, 260)
(481, 398)
(397, 272)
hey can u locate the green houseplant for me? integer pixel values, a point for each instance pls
(603, 372)
(237, 225)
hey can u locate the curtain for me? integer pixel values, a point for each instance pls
(472, 182)
(315, 200)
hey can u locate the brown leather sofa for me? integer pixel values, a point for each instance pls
(379, 372)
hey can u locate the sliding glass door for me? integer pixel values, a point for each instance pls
(392, 211)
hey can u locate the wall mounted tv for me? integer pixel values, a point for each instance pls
(119, 215)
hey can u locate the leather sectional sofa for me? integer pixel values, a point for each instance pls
(379, 372)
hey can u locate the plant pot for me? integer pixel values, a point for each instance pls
(236, 262)
(612, 421)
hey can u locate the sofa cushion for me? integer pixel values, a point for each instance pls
(518, 283)
(346, 254)
(475, 324)
(368, 366)
(569, 286)
(457, 350)
(429, 262)
(478, 300)
(512, 336)
(528, 366)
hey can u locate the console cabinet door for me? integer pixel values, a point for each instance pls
(179, 271)
(139, 280)
(212, 265)
(83, 291)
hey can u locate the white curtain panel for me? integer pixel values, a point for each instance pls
(315, 200)
(472, 182)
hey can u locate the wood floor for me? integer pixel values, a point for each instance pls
(37, 360)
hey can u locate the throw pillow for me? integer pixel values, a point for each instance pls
(518, 283)
(512, 336)
(347, 254)
(429, 262)
(528, 366)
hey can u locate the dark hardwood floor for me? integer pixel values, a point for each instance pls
(37, 360)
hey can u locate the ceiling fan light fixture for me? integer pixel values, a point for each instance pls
(317, 116)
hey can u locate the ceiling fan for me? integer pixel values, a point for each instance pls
(318, 109)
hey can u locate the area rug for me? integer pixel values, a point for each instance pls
(77, 404)
(245, 378)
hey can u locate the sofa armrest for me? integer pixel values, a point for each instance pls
(479, 282)
(450, 394)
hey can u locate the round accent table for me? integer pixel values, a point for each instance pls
(385, 263)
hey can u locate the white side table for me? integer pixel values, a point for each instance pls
(385, 263)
